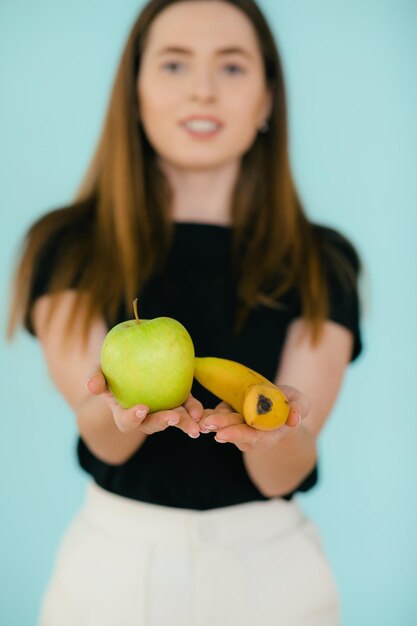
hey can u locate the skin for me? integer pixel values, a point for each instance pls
(230, 86)
(203, 77)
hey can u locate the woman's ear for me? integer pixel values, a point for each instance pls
(267, 108)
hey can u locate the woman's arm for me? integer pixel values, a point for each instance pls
(318, 372)
(69, 367)
(112, 433)
(278, 460)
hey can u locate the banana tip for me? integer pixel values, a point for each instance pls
(264, 405)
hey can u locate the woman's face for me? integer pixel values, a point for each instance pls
(201, 86)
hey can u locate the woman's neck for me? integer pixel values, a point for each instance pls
(201, 196)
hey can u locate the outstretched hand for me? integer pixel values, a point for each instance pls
(138, 417)
(230, 427)
(193, 419)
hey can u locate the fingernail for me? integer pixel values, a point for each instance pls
(220, 439)
(205, 431)
(173, 420)
(211, 427)
(196, 414)
(298, 420)
(194, 435)
(140, 413)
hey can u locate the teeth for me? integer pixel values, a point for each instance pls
(203, 126)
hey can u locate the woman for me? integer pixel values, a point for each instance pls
(189, 203)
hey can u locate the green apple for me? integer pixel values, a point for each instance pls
(149, 362)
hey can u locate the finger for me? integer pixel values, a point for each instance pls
(294, 417)
(179, 417)
(96, 382)
(206, 413)
(300, 405)
(223, 407)
(248, 438)
(194, 407)
(188, 424)
(239, 434)
(127, 420)
(217, 421)
(160, 420)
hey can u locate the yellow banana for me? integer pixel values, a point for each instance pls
(260, 402)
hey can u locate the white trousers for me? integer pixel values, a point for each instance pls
(128, 563)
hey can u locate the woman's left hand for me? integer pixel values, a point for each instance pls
(230, 427)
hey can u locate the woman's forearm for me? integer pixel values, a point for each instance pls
(278, 470)
(101, 435)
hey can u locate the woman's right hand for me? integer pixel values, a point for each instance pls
(184, 417)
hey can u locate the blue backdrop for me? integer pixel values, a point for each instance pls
(352, 90)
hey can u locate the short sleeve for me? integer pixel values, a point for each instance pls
(41, 275)
(50, 258)
(343, 268)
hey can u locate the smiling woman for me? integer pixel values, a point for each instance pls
(202, 105)
(189, 203)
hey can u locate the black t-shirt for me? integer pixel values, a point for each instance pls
(196, 288)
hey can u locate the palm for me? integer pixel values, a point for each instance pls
(230, 426)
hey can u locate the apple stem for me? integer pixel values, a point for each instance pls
(135, 310)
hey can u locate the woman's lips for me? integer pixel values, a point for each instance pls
(202, 127)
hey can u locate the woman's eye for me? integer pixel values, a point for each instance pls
(232, 68)
(173, 67)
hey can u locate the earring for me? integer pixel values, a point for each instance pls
(264, 128)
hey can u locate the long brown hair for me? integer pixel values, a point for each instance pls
(119, 220)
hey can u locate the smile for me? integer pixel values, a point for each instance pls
(202, 127)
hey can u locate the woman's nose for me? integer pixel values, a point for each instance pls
(202, 85)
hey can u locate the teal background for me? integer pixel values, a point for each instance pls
(352, 91)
